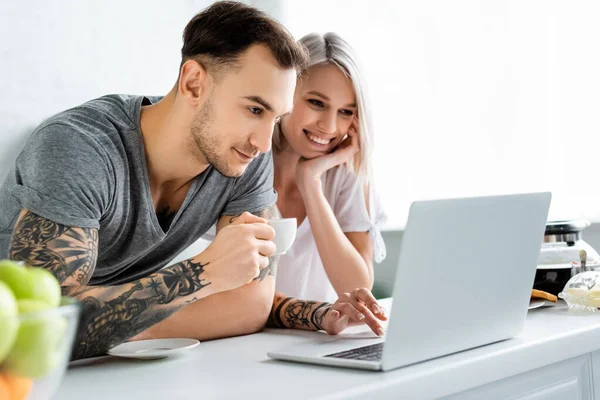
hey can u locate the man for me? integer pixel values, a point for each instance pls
(105, 194)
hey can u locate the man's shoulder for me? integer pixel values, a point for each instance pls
(98, 123)
(104, 114)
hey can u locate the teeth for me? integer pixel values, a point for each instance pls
(318, 140)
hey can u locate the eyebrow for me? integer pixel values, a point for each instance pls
(319, 94)
(261, 101)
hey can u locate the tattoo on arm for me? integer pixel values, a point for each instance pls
(271, 269)
(270, 213)
(111, 318)
(288, 312)
(109, 315)
(267, 213)
(67, 252)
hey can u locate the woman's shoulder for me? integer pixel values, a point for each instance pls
(340, 174)
(341, 185)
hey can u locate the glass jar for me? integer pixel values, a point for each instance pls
(582, 292)
(563, 255)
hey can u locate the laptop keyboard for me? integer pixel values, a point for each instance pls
(365, 353)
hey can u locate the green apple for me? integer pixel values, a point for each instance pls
(39, 347)
(16, 277)
(9, 321)
(30, 283)
(44, 286)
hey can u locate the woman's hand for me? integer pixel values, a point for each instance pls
(356, 308)
(310, 171)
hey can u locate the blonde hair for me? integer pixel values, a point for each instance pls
(330, 48)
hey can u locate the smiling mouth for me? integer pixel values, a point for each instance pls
(316, 139)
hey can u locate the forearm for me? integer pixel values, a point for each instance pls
(345, 267)
(113, 314)
(241, 311)
(235, 312)
(288, 312)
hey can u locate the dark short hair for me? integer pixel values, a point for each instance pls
(219, 34)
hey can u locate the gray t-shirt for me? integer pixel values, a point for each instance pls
(86, 167)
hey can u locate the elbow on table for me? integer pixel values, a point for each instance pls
(257, 303)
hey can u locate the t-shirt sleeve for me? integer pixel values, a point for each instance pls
(253, 191)
(350, 209)
(64, 175)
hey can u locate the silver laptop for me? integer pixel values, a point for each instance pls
(464, 280)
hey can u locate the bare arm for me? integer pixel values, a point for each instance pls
(235, 312)
(110, 314)
(347, 257)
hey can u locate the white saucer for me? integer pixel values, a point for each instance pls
(153, 349)
(537, 303)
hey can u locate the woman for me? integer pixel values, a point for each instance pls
(321, 156)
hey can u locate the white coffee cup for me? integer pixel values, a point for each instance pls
(285, 233)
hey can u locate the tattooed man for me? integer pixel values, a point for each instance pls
(105, 194)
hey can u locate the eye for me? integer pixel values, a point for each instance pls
(316, 103)
(256, 110)
(347, 113)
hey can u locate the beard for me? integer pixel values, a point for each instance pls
(206, 142)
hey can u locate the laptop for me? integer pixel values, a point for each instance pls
(464, 280)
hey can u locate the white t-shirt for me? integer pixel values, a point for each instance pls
(301, 273)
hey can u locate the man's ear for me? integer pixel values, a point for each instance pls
(193, 81)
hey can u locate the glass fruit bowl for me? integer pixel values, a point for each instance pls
(35, 348)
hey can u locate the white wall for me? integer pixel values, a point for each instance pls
(57, 54)
(476, 97)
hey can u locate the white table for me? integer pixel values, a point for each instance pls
(551, 359)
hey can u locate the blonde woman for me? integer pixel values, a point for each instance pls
(321, 154)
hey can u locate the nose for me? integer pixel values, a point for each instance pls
(328, 123)
(261, 139)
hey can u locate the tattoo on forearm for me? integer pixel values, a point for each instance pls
(65, 251)
(136, 306)
(318, 314)
(274, 319)
(109, 315)
(297, 314)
